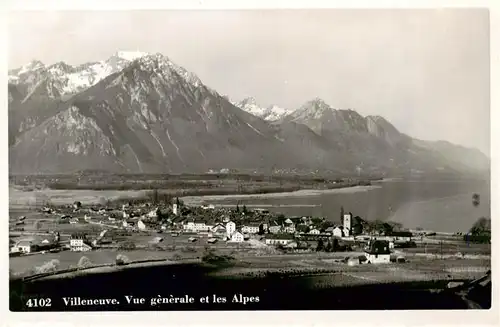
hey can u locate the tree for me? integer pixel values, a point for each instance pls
(480, 231)
(357, 226)
(386, 228)
(84, 262)
(320, 245)
(121, 259)
(177, 202)
(47, 267)
(237, 208)
(328, 246)
(341, 215)
(324, 225)
(481, 227)
(127, 245)
(395, 225)
(244, 209)
(335, 245)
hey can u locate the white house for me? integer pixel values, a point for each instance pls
(23, 247)
(141, 225)
(274, 229)
(197, 226)
(153, 213)
(289, 226)
(189, 225)
(201, 226)
(279, 239)
(77, 244)
(219, 229)
(338, 231)
(314, 231)
(237, 237)
(250, 229)
(230, 228)
(378, 252)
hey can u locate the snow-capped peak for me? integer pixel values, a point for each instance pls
(72, 79)
(318, 103)
(32, 65)
(131, 55)
(271, 113)
(160, 63)
(248, 101)
(250, 105)
(60, 68)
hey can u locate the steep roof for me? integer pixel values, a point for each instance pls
(78, 236)
(378, 247)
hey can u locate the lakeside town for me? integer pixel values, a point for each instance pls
(187, 230)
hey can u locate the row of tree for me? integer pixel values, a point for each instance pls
(328, 246)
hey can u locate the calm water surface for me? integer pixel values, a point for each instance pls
(444, 206)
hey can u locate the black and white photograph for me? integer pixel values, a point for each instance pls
(249, 159)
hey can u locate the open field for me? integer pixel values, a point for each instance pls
(267, 277)
(253, 259)
(345, 290)
(19, 198)
(331, 262)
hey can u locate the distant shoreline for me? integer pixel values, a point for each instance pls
(200, 199)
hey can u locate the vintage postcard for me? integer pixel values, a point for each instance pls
(236, 160)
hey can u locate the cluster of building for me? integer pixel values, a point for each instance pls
(276, 230)
(36, 244)
(218, 224)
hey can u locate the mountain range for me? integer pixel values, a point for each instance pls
(272, 113)
(142, 113)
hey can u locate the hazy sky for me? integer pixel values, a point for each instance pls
(426, 71)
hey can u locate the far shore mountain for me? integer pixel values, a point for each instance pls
(141, 113)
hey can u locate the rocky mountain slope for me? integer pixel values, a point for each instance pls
(375, 143)
(138, 112)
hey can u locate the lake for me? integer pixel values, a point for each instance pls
(441, 206)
